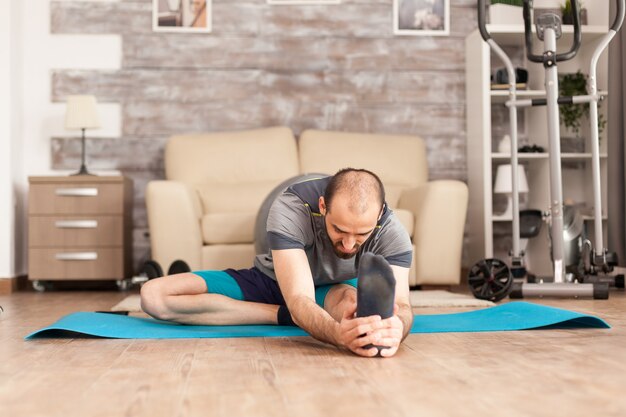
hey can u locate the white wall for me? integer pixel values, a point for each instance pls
(7, 200)
(33, 118)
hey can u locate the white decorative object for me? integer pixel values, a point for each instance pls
(504, 185)
(505, 14)
(504, 146)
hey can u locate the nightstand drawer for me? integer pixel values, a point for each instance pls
(80, 231)
(78, 198)
(76, 263)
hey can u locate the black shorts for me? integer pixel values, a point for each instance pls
(253, 285)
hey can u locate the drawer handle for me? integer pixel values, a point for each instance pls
(76, 256)
(77, 192)
(76, 224)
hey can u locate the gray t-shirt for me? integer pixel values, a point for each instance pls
(294, 222)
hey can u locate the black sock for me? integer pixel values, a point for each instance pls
(376, 289)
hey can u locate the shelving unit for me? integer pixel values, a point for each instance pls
(489, 235)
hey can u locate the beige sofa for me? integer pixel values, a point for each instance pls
(204, 212)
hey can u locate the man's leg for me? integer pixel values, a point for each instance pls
(183, 298)
(338, 299)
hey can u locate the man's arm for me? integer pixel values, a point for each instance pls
(296, 284)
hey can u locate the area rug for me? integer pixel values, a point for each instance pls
(441, 298)
(132, 304)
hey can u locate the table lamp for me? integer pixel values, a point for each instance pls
(504, 185)
(81, 114)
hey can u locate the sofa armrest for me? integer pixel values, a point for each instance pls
(439, 208)
(174, 214)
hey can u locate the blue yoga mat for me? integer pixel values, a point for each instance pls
(510, 316)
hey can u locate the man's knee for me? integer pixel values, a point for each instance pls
(153, 296)
(348, 295)
(342, 296)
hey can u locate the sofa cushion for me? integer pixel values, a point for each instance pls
(396, 159)
(268, 154)
(236, 256)
(407, 220)
(393, 193)
(228, 227)
(244, 197)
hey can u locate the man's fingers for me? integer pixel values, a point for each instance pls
(387, 333)
(364, 326)
(369, 339)
(368, 353)
(386, 353)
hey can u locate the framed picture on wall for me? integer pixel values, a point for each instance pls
(421, 17)
(303, 1)
(188, 16)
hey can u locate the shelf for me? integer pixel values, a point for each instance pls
(520, 156)
(501, 96)
(580, 156)
(590, 218)
(514, 34)
(497, 157)
(497, 219)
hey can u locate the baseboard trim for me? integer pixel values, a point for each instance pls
(11, 285)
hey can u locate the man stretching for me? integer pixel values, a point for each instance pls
(317, 232)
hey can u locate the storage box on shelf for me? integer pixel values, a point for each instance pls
(486, 121)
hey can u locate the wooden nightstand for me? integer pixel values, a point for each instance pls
(80, 228)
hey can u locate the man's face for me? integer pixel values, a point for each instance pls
(346, 229)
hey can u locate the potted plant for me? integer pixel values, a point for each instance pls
(567, 15)
(571, 114)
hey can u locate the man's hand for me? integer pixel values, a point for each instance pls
(390, 334)
(355, 333)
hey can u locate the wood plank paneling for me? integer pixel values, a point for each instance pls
(334, 67)
(188, 86)
(170, 118)
(294, 54)
(363, 19)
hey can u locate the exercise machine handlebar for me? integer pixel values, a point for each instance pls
(529, 37)
(619, 16)
(482, 23)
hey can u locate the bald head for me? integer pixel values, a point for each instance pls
(359, 189)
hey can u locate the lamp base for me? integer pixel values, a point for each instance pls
(83, 171)
(83, 167)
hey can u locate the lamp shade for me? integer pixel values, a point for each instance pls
(504, 181)
(81, 113)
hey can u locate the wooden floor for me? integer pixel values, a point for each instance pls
(529, 373)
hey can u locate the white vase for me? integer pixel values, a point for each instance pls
(504, 146)
(505, 14)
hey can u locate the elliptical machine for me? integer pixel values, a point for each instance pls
(492, 279)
